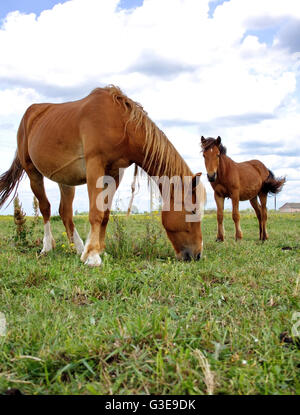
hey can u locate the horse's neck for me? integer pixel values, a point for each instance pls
(176, 165)
(164, 178)
(168, 184)
(224, 164)
(170, 164)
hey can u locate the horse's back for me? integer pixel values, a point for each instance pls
(252, 174)
(57, 138)
(65, 115)
(49, 138)
(259, 167)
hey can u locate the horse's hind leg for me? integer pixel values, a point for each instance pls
(66, 213)
(105, 221)
(264, 215)
(256, 207)
(37, 186)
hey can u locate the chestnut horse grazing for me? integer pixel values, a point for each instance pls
(238, 181)
(82, 141)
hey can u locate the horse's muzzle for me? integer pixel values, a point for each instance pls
(187, 256)
(212, 177)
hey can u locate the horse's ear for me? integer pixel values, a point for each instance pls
(195, 180)
(202, 139)
(218, 140)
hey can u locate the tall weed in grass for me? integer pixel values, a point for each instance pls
(117, 241)
(136, 235)
(153, 239)
(25, 234)
(36, 210)
(20, 221)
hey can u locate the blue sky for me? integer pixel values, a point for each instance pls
(26, 6)
(37, 6)
(221, 67)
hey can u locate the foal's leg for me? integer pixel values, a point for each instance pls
(257, 209)
(263, 202)
(220, 208)
(94, 170)
(66, 213)
(37, 186)
(236, 216)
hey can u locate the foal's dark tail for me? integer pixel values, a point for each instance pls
(10, 180)
(272, 184)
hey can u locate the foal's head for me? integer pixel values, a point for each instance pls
(212, 150)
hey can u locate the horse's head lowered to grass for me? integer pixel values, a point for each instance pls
(182, 217)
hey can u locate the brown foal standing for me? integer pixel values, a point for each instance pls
(238, 181)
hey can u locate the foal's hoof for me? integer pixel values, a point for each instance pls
(93, 260)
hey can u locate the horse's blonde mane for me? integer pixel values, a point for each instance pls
(160, 154)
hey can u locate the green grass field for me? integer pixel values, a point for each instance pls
(145, 323)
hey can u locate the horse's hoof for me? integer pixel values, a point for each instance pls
(48, 245)
(45, 250)
(219, 240)
(93, 260)
(79, 249)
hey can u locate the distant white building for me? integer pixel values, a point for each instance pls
(290, 207)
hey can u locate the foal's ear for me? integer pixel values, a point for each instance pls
(195, 180)
(218, 140)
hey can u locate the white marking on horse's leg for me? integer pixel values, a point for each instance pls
(79, 246)
(93, 260)
(48, 241)
(84, 253)
(90, 258)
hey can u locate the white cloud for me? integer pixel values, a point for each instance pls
(181, 65)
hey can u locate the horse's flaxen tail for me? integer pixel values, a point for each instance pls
(10, 180)
(272, 184)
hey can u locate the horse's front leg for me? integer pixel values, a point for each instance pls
(220, 208)
(236, 217)
(94, 173)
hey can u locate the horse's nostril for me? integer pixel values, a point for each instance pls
(212, 178)
(198, 256)
(187, 256)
